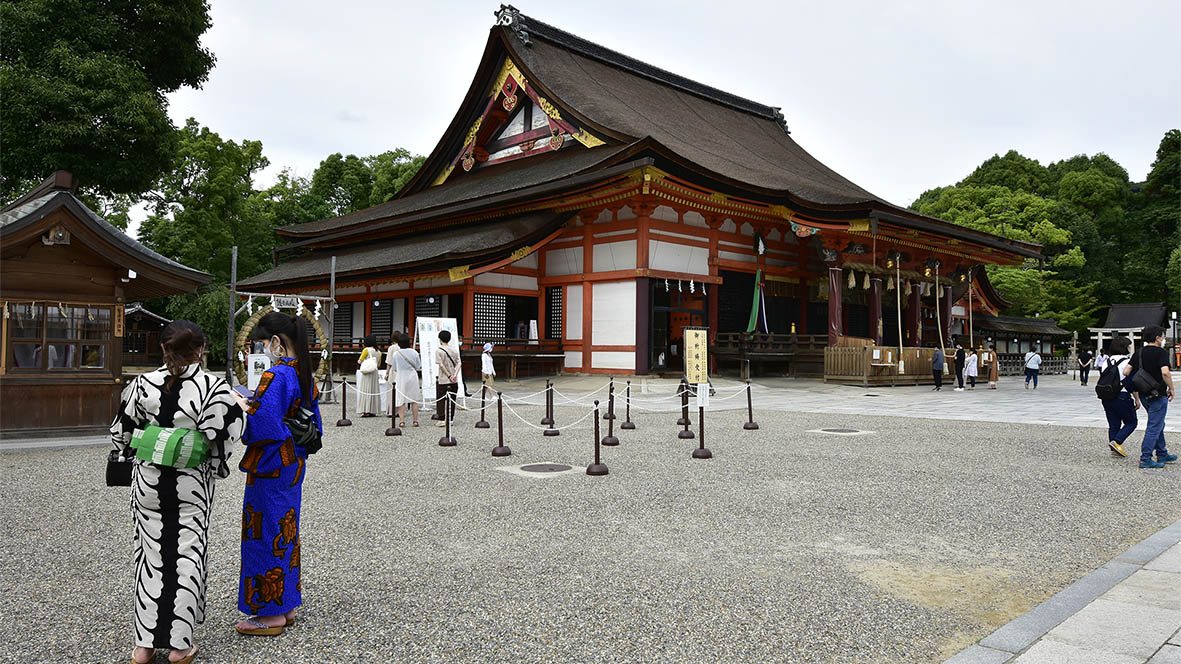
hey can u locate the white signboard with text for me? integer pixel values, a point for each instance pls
(427, 336)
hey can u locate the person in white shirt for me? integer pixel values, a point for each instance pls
(1033, 365)
(1101, 360)
(971, 370)
(487, 370)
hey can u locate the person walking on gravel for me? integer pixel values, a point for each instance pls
(1153, 384)
(1118, 404)
(1033, 366)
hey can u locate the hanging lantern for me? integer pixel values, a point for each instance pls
(890, 284)
(852, 279)
(865, 282)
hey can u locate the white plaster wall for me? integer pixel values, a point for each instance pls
(615, 256)
(677, 257)
(730, 255)
(358, 318)
(613, 360)
(625, 212)
(573, 359)
(517, 281)
(399, 315)
(604, 216)
(574, 311)
(613, 309)
(665, 213)
(529, 262)
(560, 262)
(695, 219)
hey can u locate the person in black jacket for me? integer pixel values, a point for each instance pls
(960, 358)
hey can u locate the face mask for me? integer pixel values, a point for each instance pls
(271, 355)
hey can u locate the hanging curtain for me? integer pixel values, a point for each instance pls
(755, 300)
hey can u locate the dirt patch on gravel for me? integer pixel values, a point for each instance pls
(985, 596)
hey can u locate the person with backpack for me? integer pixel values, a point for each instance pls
(1153, 384)
(1033, 366)
(1118, 403)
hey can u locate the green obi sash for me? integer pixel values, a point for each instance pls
(172, 447)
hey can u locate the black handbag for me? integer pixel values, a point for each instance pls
(119, 469)
(1146, 384)
(304, 432)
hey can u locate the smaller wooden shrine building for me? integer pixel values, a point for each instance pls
(65, 276)
(614, 203)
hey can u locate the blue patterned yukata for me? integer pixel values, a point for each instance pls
(270, 580)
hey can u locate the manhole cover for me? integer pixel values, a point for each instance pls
(545, 468)
(840, 431)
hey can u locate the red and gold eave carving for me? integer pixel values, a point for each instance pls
(504, 94)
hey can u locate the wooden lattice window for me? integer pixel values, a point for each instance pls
(553, 323)
(490, 316)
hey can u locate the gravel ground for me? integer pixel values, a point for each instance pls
(904, 545)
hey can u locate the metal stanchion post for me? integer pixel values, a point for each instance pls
(394, 430)
(683, 420)
(447, 440)
(344, 420)
(627, 420)
(597, 468)
(548, 419)
(500, 450)
(610, 402)
(482, 424)
(750, 412)
(702, 452)
(684, 434)
(610, 440)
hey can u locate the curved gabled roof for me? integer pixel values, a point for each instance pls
(734, 137)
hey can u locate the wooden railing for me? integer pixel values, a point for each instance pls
(878, 365)
(760, 352)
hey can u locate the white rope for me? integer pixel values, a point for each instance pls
(555, 426)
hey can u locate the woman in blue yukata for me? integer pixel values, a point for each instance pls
(269, 588)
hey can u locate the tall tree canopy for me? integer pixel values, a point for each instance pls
(1105, 239)
(83, 85)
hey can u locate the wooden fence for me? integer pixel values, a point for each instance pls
(878, 365)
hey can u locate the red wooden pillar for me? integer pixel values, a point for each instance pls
(836, 326)
(469, 308)
(875, 309)
(914, 321)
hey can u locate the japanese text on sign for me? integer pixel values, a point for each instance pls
(696, 355)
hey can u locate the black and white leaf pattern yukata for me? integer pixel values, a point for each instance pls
(171, 507)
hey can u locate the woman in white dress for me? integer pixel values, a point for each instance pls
(972, 368)
(172, 507)
(369, 399)
(405, 365)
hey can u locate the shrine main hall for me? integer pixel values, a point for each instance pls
(592, 205)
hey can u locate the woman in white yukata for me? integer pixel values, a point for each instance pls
(172, 507)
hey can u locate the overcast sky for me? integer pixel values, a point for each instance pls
(899, 97)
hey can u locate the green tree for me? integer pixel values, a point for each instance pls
(1013, 171)
(83, 85)
(207, 204)
(347, 184)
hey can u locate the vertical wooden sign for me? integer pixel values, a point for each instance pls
(696, 355)
(117, 321)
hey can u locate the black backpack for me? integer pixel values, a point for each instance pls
(1110, 382)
